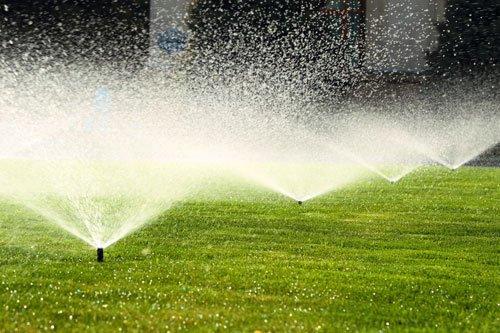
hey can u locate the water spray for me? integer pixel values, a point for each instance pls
(100, 254)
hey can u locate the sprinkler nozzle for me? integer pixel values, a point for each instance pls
(100, 254)
(299, 202)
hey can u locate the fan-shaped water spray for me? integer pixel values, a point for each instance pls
(94, 176)
(100, 155)
(458, 134)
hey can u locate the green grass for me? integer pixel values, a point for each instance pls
(420, 255)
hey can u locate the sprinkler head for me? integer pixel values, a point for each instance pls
(100, 254)
(299, 202)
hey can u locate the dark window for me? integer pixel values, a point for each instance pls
(348, 18)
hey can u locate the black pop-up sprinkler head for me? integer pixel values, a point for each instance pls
(100, 254)
(300, 202)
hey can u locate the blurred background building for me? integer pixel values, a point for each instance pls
(395, 34)
(389, 35)
(399, 33)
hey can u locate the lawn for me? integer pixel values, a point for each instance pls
(419, 255)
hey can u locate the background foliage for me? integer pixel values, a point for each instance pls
(469, 37)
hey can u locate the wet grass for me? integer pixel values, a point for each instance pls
(420, 255)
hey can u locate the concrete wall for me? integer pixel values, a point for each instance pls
(400, 32)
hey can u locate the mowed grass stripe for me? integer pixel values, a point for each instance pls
(420, 255)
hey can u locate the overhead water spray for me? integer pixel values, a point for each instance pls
(146, 142)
